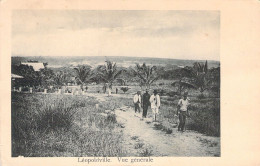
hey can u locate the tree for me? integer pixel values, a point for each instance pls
(183, 85)
(125, 89)
(183, 75)
(46, 77)
(31, 77)
(83, 74)
(108, 73)
(196, 77)
(146, 74)
(215, 80)
(61, 78)
(200, 76)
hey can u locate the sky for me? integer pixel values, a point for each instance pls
(162, 34)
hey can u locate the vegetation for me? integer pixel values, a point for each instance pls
(124, 89)
(47, 126)
(204, 118)
(83, 75)
(108, 73)
(62, 126)
(146, 75)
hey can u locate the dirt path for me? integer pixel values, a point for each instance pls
(142, 138)
(188, 143)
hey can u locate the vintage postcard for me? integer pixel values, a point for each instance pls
(126, 84)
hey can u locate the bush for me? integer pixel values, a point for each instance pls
(201, 96)
(38, 115)
(55, 116)
(161, 92)
(205, 118)
(173, 94)
(111, 118)
(125, 89)
(51, 125)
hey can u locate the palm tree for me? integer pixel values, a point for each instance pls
(108, 73)
(196, 77)
(146, 74)
(83, 74)
(181, 84)
(61, 78)
(201, 78)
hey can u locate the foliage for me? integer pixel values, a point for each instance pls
(31, 77)
(61, 78)
(146, 152)
(205, 114)
(108, 73)
(196, 77)
(125, 89)
(205, 117)
(146, 75)
(83, 74)
(200, 76)
(46, 77)
(183, 85)
(52, 125)
(215, 80)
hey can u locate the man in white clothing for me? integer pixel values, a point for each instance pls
(137, 101)
(182, 111)
(155, 104)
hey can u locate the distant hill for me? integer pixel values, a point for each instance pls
(65, 61)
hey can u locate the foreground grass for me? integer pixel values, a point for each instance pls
(57, 125)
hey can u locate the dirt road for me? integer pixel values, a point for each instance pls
(142, 138)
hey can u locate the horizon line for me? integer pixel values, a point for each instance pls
(112, 56)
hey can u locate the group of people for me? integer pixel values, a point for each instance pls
(154, 102)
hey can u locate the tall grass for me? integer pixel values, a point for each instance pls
(205, 117)
(204, 114)
(57, 125)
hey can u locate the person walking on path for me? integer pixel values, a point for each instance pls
(137, 101)
(182, 111)
(146, 102)
(155, 104)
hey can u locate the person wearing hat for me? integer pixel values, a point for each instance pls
(182, 111)
(137, 101)
(155, 104)
(146, 102)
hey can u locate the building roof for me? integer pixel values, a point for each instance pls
(36, 65)
(16, 76)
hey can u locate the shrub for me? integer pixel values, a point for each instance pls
(161, 92)
(173, 93)
(146, 152)
(161, 84)
(51, 125)
(55, 116)
(125, 89)
(201, 96)
(111, 118)
(205, 118)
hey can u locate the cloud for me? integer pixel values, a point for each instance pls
(171, 34)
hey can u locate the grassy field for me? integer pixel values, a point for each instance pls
(59, 125)
(66, 125)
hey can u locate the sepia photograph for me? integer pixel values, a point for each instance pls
(115, 83)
